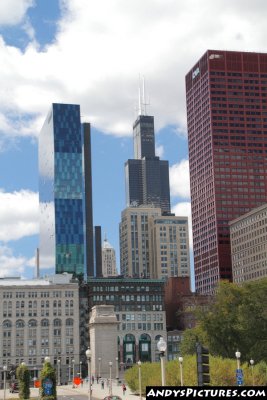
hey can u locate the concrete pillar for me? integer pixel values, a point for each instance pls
(103, 339)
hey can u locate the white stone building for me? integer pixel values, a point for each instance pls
(40, 318)
(108, 260)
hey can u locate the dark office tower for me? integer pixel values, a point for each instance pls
(89, 234)
(63, 192)
(227, 131)
(98, 252)
(147, 177)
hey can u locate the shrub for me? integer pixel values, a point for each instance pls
(23, 376)
(48, 372)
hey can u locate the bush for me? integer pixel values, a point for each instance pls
(222, 373)
(48, 372)
(23, 376)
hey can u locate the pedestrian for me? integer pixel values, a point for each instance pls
(123, 389)
(102, 384)
(93, 379)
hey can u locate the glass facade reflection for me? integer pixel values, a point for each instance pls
(61, 191)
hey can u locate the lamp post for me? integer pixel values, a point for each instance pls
(99, 367)
(69, 373)
(73, 370)
(161, 345)
(88, 356)
(46, 360)
(5, 371)
(110, 381)
(252, 371)
(117, 370)
(80, 369)
(139, 378)
(181, 370)
(238, 355)
(58, 372)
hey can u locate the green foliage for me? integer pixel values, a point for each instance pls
(236, 320)
(48, 372)
(190, 339)
(222, 373)
(23, 376)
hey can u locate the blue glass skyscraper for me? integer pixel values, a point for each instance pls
(65, 192)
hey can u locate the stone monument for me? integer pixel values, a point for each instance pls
(103, 331)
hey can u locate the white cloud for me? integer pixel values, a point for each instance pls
(19, 215)
(159, 151)
(12, 12)
(11, 265)
(184, 210)
(179, 179)
(102, 45)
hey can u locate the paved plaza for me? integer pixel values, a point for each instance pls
(81, 393)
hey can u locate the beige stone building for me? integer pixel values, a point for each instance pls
(40, 318)
(152, 245)
(108, 260)
(169, 255)
(248, 235)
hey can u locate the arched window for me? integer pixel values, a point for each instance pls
(32, 323)
(44, 322)
(54, 303)
(57, 322)
(145, 348)
(71, 303)
(59, 303)
(22, 304)
(67, 303)
(20, 323)
(7, 324)
(42, 303)
(17, 304)
(69, 322)
(4, 305)
(30, 304)
(35, 304)
(47, 303)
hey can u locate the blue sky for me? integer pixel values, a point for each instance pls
(91, 52)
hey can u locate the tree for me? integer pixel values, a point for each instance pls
(23, 376)
(237, 320)
(190, 339)
(48, 379)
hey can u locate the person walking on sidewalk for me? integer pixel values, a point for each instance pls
(123, 389)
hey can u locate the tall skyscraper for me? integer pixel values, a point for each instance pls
(147, 177)
(227, 131)
(65, 192)
(98, 252)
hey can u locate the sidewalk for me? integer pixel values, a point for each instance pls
(97, 391)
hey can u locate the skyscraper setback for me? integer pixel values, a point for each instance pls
(147, 177)
(65, 192)
(227, 132)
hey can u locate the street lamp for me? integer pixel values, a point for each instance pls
(46, 360)
(99, 367)
(139, 378)
(88, 354)
(73, 367)
(162, 345)
(181, 370)
(238, 355)
(5, 371)
(117, 370)
(58, 372)
(110, 382)
(80, 369)
(252, 371)
(69, 372)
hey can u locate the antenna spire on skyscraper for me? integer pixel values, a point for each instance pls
(142, 101)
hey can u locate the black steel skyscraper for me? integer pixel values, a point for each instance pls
(147, 177)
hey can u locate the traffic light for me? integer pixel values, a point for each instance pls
(203, 368)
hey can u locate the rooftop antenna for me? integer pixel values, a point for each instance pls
(140, 111)
(142, 100)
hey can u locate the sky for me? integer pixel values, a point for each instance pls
(91, 52)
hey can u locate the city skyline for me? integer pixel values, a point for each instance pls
(42, 64)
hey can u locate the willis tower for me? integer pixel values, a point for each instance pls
(147, 177)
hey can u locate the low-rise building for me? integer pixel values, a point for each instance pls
(140, 311)
(40, 318)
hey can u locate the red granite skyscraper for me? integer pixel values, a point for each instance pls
(226, 96)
